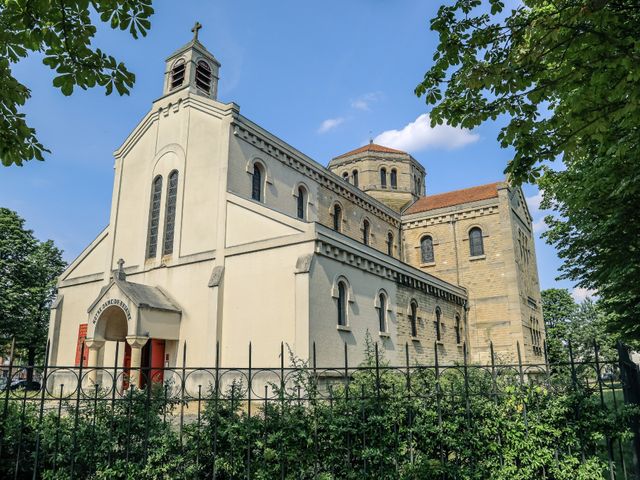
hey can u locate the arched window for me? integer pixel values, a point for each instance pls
(354, 177)
(426, 250)
(342, 304)
(382, 312)
(154, 217)
(177, 74)
(383, 177)
(458, 332)
(475, 242)
(203, 76)
(256, 182)
(394, 178)
(170, 213)
(302, 202)
(413, 318)
(437, 322)
(366, 231)
(390, 244)
(337, 218)
(345, 177)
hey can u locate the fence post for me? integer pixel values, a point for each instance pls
(41, 413)
(630, 378)
(5, 410)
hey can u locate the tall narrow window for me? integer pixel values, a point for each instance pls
(383, 177)
(413, 318)
(382, 313)
(256, 183)
(458, 332)
(337, 217)
(390, 244)
(438, 317)
(203, 76)
(177, 74)
(342, 304)
(345, 177)
(394, 178)
(415, 184)
(354, 177)
(302, 202)
(366, 232)
(170, 213)
(154, 217)
(426, 250)
(475, 242)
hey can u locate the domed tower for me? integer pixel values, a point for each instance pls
(392, 176)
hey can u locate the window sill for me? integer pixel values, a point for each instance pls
(343, 328)
(477, 257)
(428, 264)
(439, 342)
(384, 334)
(415, 339)
(460, 345)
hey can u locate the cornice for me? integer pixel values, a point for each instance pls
(311, 169)
(330, 244)
(446, 215)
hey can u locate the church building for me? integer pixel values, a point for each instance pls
(221, 233)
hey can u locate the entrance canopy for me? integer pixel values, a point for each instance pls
(132, 309)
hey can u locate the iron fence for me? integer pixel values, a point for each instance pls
(304, 420)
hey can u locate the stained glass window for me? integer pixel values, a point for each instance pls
(426, 250)
(170, 214)
(475, 242)
(154, 217)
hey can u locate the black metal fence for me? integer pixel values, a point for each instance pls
(303, 420)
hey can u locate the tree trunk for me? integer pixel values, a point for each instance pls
(31, 360)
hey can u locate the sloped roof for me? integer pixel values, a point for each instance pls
(371, 147)
(141, 295)
(456, 197)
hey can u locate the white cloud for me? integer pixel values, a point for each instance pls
(539, 226)
(579, 294)
(363, 102)
(330, 124)
(534, 202)
(418, 135)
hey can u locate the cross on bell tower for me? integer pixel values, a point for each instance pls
(196, 28)
(192, 67)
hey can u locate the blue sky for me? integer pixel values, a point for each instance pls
(321, 76)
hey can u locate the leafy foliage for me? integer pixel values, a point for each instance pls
(583, 324)
(566, 76)
(459, 423)
(62, 31)
(28, 273)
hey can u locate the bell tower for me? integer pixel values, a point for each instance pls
(192, 67)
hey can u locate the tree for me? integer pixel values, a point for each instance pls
(558, 310)
(566, 76)
(62, 32)
(28, 273)
(581, 324)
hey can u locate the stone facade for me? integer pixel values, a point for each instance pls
(255, 258)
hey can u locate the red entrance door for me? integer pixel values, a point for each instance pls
(151, 363)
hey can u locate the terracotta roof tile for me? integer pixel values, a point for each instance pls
(456, 197)
(371, 147)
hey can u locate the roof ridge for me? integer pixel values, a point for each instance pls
(454, 197)
(375, 147)
(463, 189)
